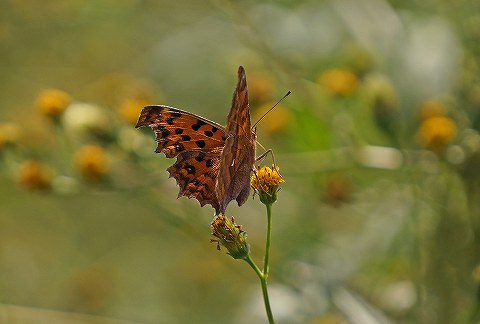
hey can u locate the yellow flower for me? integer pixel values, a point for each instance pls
(260, 87)
(435, 133)
(231, 236)
(34, 175)
(431, 108)
(130, 110)
(92, 162)
(278, 120)
(9, 134)
(266, 182)
(338, 81)
(476, 274)
(52, 102)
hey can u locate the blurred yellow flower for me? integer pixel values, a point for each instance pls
(52, 102)
(130, 109)
(92, 162)
(435, 133)
(476, 274)
(9, 134)
(34, 175)
(338, 81)
(277, 121)
(431, 108)
(260, 87)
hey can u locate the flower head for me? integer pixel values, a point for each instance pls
(278, 121)
(266, 182)
(52, 102)
(130, 109)
(9, 133)
(34, 175)
(83, 120)
(431, 108)
(260, 87)
(231, 236)
(338, 81)
(436, 132)
(92, 162)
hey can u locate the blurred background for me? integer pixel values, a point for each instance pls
(378, 220)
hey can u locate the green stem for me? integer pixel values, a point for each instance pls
(268, 240)
(263, 283)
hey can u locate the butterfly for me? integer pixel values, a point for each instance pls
(213, 162)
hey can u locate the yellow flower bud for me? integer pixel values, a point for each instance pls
(92, 162)
(266, 182)
(34, 175)
(436, 132)
(52, 102)
(130, 110)
(338, 81)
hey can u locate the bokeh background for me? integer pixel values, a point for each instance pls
(378, 220)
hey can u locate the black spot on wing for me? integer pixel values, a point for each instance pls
(200, 143)
(179, 147)
(190, 168)
(198, 124)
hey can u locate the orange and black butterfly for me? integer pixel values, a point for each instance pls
(213, 163)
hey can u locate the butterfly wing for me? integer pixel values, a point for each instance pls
(197, 144)
(238, 155)
(177, 130)
(196, 172)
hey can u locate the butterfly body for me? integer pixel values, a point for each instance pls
(213, 162)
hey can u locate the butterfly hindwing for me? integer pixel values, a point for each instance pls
(177, 130)
(196, 172)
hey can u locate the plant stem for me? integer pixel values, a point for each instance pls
(263, 275)
(268, 240)
(263, 283)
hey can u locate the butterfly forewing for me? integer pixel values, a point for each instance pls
(177, 130)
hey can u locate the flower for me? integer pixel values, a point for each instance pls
(278, 120)
(260, 87)
(436, 132)
(92, 162)
(266, 182)
(338, 81)
(83, 119)
(33, 175)
(231, 236)
(52, 102)
(476, 274)
(130, 109)
(431, 108)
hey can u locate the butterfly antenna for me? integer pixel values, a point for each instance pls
(265, 114)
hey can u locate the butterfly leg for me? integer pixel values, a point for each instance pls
(261, 157)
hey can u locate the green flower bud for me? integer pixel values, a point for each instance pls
(231, 236)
